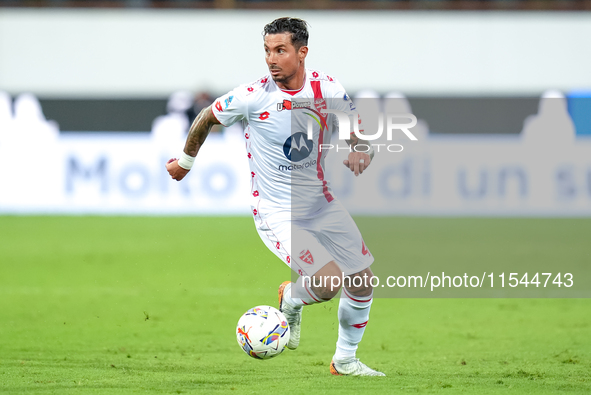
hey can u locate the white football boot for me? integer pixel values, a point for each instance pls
(352, 367)
(293, 315)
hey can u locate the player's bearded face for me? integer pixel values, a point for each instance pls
(282, 57)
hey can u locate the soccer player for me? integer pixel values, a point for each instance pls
(294, 209)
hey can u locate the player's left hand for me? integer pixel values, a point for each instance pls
(357, 162)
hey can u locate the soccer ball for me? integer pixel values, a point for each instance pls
(262, 332)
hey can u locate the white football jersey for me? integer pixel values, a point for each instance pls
(287, 168)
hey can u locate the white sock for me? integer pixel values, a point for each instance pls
(301, 295)
(353, 317)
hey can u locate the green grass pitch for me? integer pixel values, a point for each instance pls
(123, 305)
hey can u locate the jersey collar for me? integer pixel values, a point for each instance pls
(295, 91)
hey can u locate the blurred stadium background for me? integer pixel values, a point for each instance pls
(93, 79)
(95, 96)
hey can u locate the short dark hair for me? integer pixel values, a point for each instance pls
(297, 27)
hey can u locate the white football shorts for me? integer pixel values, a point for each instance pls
(306, 245)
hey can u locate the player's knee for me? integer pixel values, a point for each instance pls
(360, 284)
(327, 292)
(327, 281)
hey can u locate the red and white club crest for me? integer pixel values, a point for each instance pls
(307, 257)
(320, 105)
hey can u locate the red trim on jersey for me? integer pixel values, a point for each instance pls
(292, 92)
(318, 95)
(316, 89)
(216, 117)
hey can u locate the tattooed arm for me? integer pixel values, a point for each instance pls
(197, 134)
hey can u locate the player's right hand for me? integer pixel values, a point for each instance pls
(357, 162)
(175, 171)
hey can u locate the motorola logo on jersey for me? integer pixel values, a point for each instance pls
(300, 166)
(297, 147)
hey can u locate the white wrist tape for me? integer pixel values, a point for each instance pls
(186, 161)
